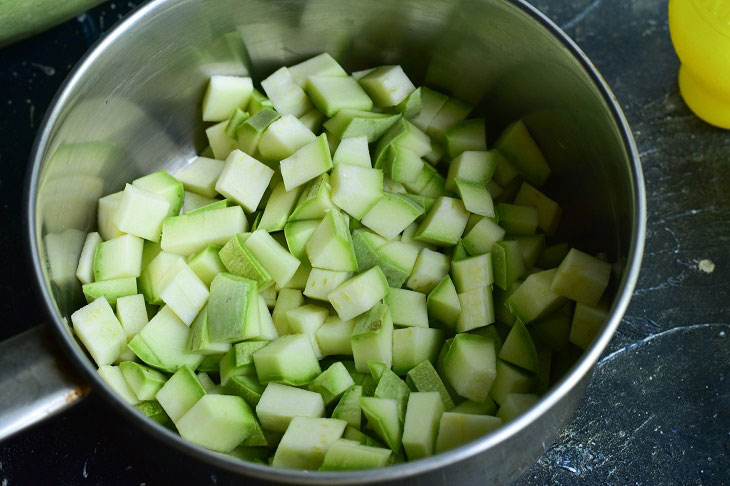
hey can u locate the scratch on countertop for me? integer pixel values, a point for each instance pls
(581, 15)
(610, 357)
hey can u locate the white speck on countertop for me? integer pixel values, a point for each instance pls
(5, 482)
(84, 472)
(706, 265)
(47, 70)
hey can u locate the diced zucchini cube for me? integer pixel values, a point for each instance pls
(366, 245)
(247, 387)
(331, 94)
(310, 161)
(145, 382)
(206, 263)
(581, 277)
(189, 233)
(152, 274)
(391, 386)
(353, 151)
(510, 379)
(430, 268)
(466, 135)
(482, 237)
(517, 220)
(180, 393)
(345, 456)
(193, 201)
(286, 95)
(587, 321)
(132, 315)
(472, 273)
(110, 289)
(113, 377)
(244, 180)
(99, 331)
(507, 263)
(334, 336)
(391, 214)
(267, 329)
(163, 343)
(332, 383)
(279, 207)
(297, 233)
(218, 422)
(287, 300)
(425, 378)
(141, 213)
(199, 339)
(407, 308)
(232, 309)
(471, 166)
(456, 429)
(312, 119)
(238, 361)
(306, 320)
(444, 224)
(459, 252)
(554, 329)
(534, 298)
(85, 268)
(548, 211)
(248, 133)
(451, 112)
(404, 134)
(519, 349)
(165, 185)
(220, 143)
(431, 102)
(530, 247)
(348, 408)
(275, 259)
(477, 309)
(382, 415)
(397, 259)
(315, 200)
(372, 337)
(356, 189)
(520, 148)
(422, 424)
(234, 121)
(306, 441)
(387, 85)
(443, 303)
(359, 294)
(320, 65)
(404, 164)
(289, 359)
(321, 282)
(224, 95)
(476, 198)
(470, 366)
(183, 292)
(413, 345)
(514, 404)
(475, 408)
(279, 404)
(283, 137)
(106, 216)
(118, 257)
(330, 247)
(411, 105)
(349, 123)
(241, 262)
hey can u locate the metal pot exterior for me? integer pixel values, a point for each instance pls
(132, 107)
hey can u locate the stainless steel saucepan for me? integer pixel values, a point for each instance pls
(131, 106)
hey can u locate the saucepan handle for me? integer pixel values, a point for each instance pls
(35, 381)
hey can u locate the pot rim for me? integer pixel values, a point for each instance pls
(582, 367)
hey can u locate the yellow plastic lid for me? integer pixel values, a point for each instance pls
(700, 31)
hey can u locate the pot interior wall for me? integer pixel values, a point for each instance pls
(134, 107)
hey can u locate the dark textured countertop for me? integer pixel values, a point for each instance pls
(658, 408)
